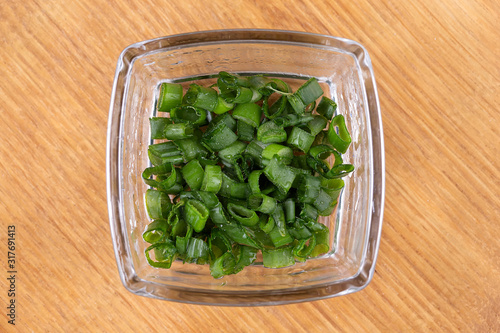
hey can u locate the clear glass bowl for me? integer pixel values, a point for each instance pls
(344, 69)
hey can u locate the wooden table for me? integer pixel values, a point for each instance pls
(437, 68)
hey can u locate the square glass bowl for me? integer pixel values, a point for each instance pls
(344, 70)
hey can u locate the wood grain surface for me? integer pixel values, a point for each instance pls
(437, 66)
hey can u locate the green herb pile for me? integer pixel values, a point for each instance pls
(246, 166)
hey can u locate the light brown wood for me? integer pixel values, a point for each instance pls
(437, 68)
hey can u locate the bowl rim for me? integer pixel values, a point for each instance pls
(128, 276)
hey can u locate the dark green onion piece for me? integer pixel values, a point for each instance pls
(179, 227)
(279, 174)
(165, 152)
(317, 124)
(277, 238)
(292, 120)
(193, 174)
(289, 208)
(339, 171)
(219, 137)
(191, 149)
(178, 131)
(308, 213)
(170, 96)
(326, 108)
(322, 152)
(158, 204)
(249, 113)
(233, 189)
(323, 202)
(157, 125)
(181, 244)
(223, 265)
(155, 231)
(229, 153)
(225, 118)
(163, 169)
(255, 182)
(310, 91)
(169, 183)
(238, 234)
(245, 131)
(262, 203)
(164, 254)
(299, 230)
(276, 109)
(196, 214)
(212, 180)
(201, 97)
(279, 219)
(246, 257)
(297, 104)
(254, 149)
(218, 243)
(266, 223)
(246, 217)
(276, 258)
(308, 189)
(269, 132)
(342, 140)
(189, 114)
(300, 139)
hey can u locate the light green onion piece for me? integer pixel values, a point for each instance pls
(276, 258)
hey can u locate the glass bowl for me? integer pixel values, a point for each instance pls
(344, 69)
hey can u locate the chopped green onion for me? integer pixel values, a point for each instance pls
(158, 204)
(219, 137)
(276, 258)
(245, 131)
(250, 113)
(196, 214)
(326, 108)
(317, 124)
(157, 125)
(262, 203)
(245, 216)
(155, 231)
(222, 106)
(201, 97)
(279, 174)
(342, 140)
(189, 114)
(212, 180)
(193, 174)
(229, 153)
(283, 153)
(269, 132)
(170, 96)
(256, 178)
(300, 139)
(178, 131)
(164, 254)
